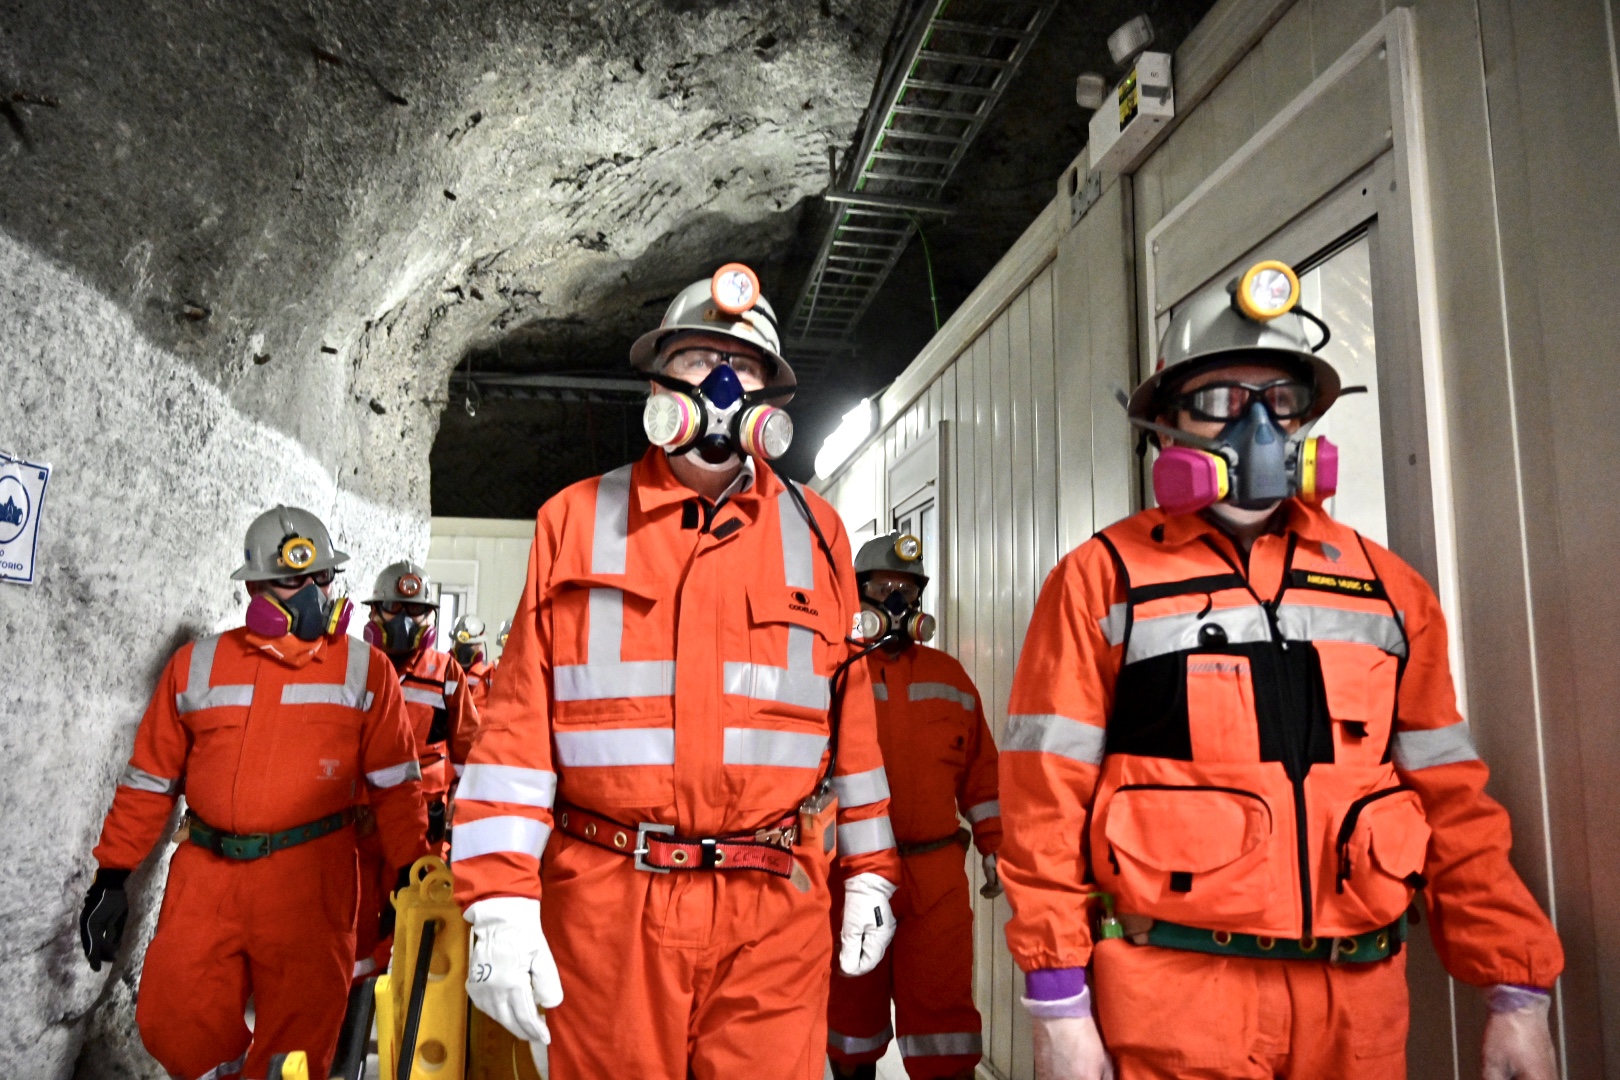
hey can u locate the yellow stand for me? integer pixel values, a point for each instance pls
(293, 1065)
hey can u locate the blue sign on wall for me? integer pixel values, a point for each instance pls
(22, 497)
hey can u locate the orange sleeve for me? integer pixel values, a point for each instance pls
(503, 811)
(866, 841)
(1486, 926)
(154, 778)
(393, 775)
(976, 795)
(463, 718)
(1062, 694)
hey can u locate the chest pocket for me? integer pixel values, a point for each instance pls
(1360, 684)
(588, 617)
(791, 633)
(946, 716)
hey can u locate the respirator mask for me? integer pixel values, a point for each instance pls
(467, 654)
(717, 418)
(1253, 464)
(306, 614)
(405, 630)
(894, 617)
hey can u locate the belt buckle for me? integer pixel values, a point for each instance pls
(245, 847)
(640, 853)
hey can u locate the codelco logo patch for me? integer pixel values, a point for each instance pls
(329, 768)
(800, 601)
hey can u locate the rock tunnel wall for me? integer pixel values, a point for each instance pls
(156, 476)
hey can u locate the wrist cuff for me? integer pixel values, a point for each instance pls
(1076, 1007)
(1505, 998)
(1053, 984)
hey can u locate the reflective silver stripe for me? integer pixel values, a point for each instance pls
(229, 1068)
(855, 1044)
(765, 746)
(798, 568)
(605, 675)
(1113, 624)
(394, 775)
(616, 746)
(611, 538)
(984, 811)
(416, 696)
(1053, 734)
(350, 693)
(1415, 749)
(365, 966)
(199, 694)
(865, 837)
(938, 691)
(880, 692)
(946, 1044)
(1179, 633)
(797, 684)
(141, 780)
(450, 688)
(1307, 622)
(459, 769)
(862, 788)
(508, 784)
(506, 835)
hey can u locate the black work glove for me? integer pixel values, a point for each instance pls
(101, 923)
(385, 921)
(436, 823)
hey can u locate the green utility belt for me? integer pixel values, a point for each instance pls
(1365, 948)
(250, 846)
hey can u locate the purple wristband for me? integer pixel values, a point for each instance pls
(1054, 984)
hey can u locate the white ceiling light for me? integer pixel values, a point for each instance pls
(854, 429)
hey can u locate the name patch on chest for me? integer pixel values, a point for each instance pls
(1336, 583)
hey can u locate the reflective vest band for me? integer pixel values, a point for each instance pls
(1164, 634)
(610, 540)
(944, 1044)
(983, 811)
(1310, 622)
(865, 837)
(859, 1044)
(797, 684)
(508, 784)
(141, 780)
(1053, 734)
(200, 693)
(350, 693)
(880, 692)
(767, 746)
(937, 691)
(1414, 749)
(862, 788)
(394, 775)
(616, 746)
(507, 835)
(431, 698)
(798, 566)
(605, 675)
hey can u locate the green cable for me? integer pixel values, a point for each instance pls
(928, 261)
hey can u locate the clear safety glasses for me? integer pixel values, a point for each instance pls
(1221, 402)
(323, 578)
(879, 591)
(696, 360)
(415, 611)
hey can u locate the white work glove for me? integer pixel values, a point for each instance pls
(992, 879)
(868, 923)
(511, 966)
(1070, 1048)
(1518, 1043)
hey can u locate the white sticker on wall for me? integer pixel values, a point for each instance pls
(22, 496)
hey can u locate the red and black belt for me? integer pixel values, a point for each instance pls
(658, 850)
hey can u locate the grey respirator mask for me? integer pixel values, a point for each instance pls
(716, 418)
(894, 618)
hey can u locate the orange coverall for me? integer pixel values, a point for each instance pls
(670, 666)
(439, 703)
(260, 736)
(1266, 746)
(479, 674)
(941, 761)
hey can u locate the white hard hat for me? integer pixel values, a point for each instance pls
(741, 312)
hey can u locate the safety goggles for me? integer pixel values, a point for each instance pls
(684, 362)
(1222, 402)
(880, 591)
(323, 578)
(394, 607)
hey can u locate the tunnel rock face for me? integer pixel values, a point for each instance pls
(244, 243)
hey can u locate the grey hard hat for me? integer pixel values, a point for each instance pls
(468, 629)
(897, 551)
(285, 541)
(506, 628)
(1208, 328)
(694, 310)
(405, 582)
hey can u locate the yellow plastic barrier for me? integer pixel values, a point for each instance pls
(293, 1065)
(426, 913)
(493, 1053)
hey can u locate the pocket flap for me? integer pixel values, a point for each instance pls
(623, 582)
(1399, 834)
(769, 604)
(1194, 829)
(1359, 680)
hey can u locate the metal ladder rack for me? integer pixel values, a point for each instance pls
(957, 59)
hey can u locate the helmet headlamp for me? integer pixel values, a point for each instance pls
(1266, 290)
(298, 552)
(409, 585)
(735, 288)
(908, 548)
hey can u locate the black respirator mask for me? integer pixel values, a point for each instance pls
(399, 633)
(467, 654)
(716, 418)
(894, 618)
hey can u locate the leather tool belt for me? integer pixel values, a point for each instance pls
(1365, 948)
(245, 847)
(960, 836)
(656, 849)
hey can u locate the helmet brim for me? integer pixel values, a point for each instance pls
(248, 572)
(1148, 402)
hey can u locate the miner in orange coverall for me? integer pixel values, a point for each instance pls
(271, 731)
(941, 761)
(473, 655)
(439, 702)
(1235, 717)
(666, 705)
